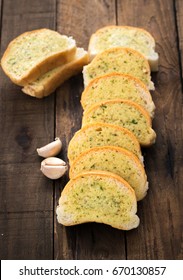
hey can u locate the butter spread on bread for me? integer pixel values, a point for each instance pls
(124, 113)
(115, 85)
(34, 53)
(124, 36)
(120, 60)
(101, 197)
(102, 134)
(116, 160)
(47, 83)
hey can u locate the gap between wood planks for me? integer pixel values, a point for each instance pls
(178, 41)
(1, 16)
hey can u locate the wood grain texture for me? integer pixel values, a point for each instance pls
(28, 200)
(26, 235)
(26, 123)
(84, 17)
(161, 225)
(162, 161)
(179, 17)
(90, 241)
(1, 3)
(178, 167)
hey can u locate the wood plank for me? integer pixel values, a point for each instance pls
(90, 241)
(30, 191)
(179, 16)
(159, 235)
(83, 18)
(179, 167)
(155, 237)
(26, 123)
(30, 240)
(1, 3)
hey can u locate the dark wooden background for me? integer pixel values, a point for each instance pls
(28, 226)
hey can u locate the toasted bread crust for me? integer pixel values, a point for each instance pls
(50, 62)
(152, 56)
(139, 184)
(106, 148)
(151, 133)
(104, 125)
(64, 214)
(117, 51)
(121, 27)
(102, 174)
(133, 79)
(118, 100)
(57, 76)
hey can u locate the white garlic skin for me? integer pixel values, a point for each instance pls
(53, 167)
(50, 150)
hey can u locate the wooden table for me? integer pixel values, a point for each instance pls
(28, 226)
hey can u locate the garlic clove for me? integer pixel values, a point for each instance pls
(53, 167)
(51, 149)
(54, 161)
(54, 172)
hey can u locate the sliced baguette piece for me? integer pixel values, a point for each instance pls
(115, 85)
(116, 160)
(34, 53)
(123, 113)
(47, 83)
(124, 36)
(100, 197)
(120, 60)
(102, 134)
